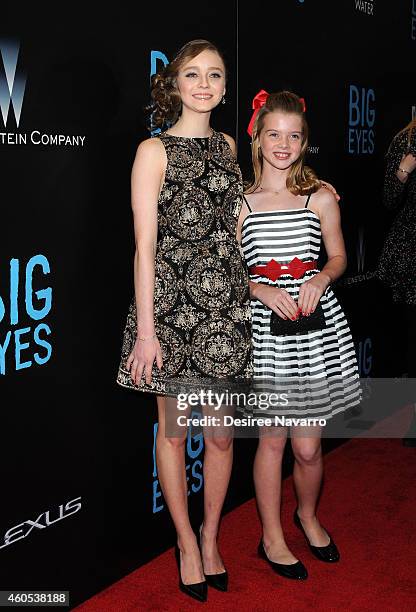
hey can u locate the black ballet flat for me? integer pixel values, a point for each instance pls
(294, 571)
(216, 581)
(198, 590)
(328, 553)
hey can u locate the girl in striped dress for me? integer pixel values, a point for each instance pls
(286, 213)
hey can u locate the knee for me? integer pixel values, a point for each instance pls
(307, 454)
(170, 442)
(218, 443)
(273, 445)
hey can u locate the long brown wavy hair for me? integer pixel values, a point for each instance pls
(301, 180)
(166, 103)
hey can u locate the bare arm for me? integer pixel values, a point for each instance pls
(146, 180)
(326, 207)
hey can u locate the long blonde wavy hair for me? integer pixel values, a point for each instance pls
(301, 180)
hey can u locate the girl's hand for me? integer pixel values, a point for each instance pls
(332, 189)
(142, 358)
(277, 300)
(311, 292)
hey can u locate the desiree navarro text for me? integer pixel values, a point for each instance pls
(230, 421)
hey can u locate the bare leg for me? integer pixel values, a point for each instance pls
(267, 482)
(307, 477)
(218, 462)
(170, 458)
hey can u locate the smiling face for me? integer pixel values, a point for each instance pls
(201, 82)
(281, 139)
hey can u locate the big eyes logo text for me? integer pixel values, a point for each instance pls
(17, 346)
(413, 21)
(361, 120)
(194, 477)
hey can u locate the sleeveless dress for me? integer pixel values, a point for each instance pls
(201, 299)
(319, 368)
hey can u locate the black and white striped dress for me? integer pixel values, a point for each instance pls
(319, 367)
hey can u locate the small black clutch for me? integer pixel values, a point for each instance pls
(287, 327)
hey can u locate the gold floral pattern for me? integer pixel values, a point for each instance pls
(218, 347)
(193, 220)
(208, 283)
(201, 300)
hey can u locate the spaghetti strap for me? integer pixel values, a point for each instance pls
(307, 201)
(248, 205)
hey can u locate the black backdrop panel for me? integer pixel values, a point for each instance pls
(81, 500)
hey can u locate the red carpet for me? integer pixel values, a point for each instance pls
(368, 504)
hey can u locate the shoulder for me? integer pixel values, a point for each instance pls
(324, 197)
(250, 197)
(150, 151)
(150, 146)
(323, 202)
(231, 142)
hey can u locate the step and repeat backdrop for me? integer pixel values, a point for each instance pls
(81, 501)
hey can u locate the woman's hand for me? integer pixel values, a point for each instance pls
(277, 300)
(408, 164)
(311, 292)
(332, 189)
(141, 359)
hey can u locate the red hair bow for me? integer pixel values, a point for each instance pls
(259, 100)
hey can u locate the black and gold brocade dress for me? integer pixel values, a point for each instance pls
(201, 300)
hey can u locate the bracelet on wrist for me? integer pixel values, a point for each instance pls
(403, 170)
(147, 337)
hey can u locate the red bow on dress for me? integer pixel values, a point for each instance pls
(273, 269)
(259, 100)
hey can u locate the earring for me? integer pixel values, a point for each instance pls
(223, 100)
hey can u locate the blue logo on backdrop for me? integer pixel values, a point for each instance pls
(37, 310)
(413, 21)
(364, 357)
(194, 446)
(12, 84)
(156, 56)
(361, 119)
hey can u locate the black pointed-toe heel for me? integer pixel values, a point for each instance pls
(217, 581)
(328, 553)
(198, 590)
(294, 571)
